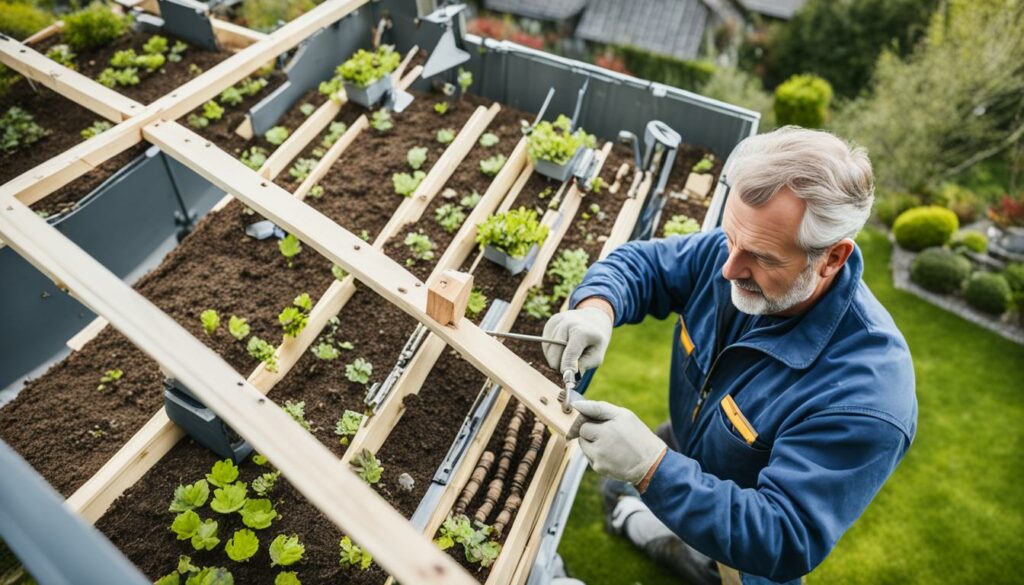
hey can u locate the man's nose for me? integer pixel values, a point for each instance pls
(734, 267)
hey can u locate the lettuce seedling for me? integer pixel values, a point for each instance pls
(406, 184)
(316, 191)
(287, 578)
(464, 79)
(475, 541)
(381, 121)
(513, 232)
(190, 497)
(276, 135)
(229, 498)
(177, 51)
(290, 247)
(449, 216)
(441, 108)
(420, 246)
(150, 62)
(704, 165)
(188, 526)
(364, 67)
(477, 302)
(286, 550)
(62, 54)
(156, 45)
(238, 327)
(230, 97)
(242, 545)
(538, 305)
(223, 473)
(334, 132)
(254, 157)
(445, 135)
(302, 167)
(597, 184)
(353, 555)
(251, 86)
(18, 129)
(258, 514)
(297, 410)
(98, 127)
(111, 77)
(185, 565)
(307, 109)
(211, 576)
(259, 459)
(122, 59)
(210, 320)
(293, 321)
(338, 272)
(568, 270)
(554, 142)
(368, 466)
(325, 351)
(109, 377)
(491, 166)
(265, 482)
(489, 139)
(263, 351)
(681, 225)
(359, 371)
(348, 425)
(212, 110)
(470, 201)
(416, 156)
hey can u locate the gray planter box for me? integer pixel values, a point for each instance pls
(513, 265)
(368, 96)
(558, 172)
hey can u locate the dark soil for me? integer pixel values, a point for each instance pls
(222, 132)
(693, 208)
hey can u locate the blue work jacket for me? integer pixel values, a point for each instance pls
(829, 393)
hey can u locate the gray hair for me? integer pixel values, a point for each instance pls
(833, 177)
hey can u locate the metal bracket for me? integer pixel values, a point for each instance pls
(379, 391)
(200, 423)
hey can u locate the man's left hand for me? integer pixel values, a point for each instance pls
(616, 442)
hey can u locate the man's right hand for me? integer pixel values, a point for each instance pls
(586, 332)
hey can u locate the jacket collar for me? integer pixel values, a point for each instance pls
(798, 341)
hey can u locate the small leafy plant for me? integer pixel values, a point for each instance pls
(334, 132)
(681, 225)
(420, 246)
(111, 77)
(445, 135)
(263, 351)
(189, 497)
(538, 304)
(297, 410)
(242, 545)
(286, 550)
(290, 247)
(416, 156)
(464, 79)
(476, 542)
(98, 127)
(93, 26)
(211, 112)
(568, 270)
(230, 498)
(254, 157)
(264, 483)
(238, 327)
(223, 473)
(441, 108)
(365, 67)
(555, 142)
(491, 166)
(489, 139)
(258, 514)
(230, 97)
(704, 165)
(276, 135)
(470, 201)
(325, 351)
(381, 121)
(359, 371)
(353, 555)
(406, 184)
(348, 425)
(307, 109)
(210, 320)
(293, 319)
(156, 45)
(62, 54)
(109, 377)
(477, 302)
(316, 191)
(19, 129)
(449, 216)
(368, 466)
(177, 51)
(513, 232)
(202, 533)
(302, 167)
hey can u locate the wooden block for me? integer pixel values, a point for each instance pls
(448, 295)
(699, 186)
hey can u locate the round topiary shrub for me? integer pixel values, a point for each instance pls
(939, 270)
(924, 227)
(972, 240)
(988, 292)
(803, 100)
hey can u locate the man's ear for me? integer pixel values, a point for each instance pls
(836, 257)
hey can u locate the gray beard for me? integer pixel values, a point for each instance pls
(761, 304)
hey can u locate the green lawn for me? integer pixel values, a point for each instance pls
(950, 513)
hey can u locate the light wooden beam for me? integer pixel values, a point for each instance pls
(344, 498)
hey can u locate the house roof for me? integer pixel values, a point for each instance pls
(555, 10)
(784, 9)
(668, 27)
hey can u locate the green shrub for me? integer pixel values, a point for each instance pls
(265, 15)
(803, 100)
(22, 20)
(939, 270)
(924, 227)
(668, 70)
(93, 26)
(972, 240)
(1014, 275)
(988, 292)
(889, 205)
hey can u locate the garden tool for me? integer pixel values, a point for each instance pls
(584, 164)
(447, 54)
(568, 393)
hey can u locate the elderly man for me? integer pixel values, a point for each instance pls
(792, 391)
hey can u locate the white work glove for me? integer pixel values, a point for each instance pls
(616, 442)
(586, 333)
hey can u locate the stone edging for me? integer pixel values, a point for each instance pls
(899, 265)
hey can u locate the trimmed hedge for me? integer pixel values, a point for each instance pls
(680, 73)
(924, 227)
(972, 240)
(803, 100)
(988, 292)
(939, 270)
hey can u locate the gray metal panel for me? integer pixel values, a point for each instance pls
(56, 546)
(189, 20)
(315, 60)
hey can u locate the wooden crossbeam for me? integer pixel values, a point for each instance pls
(369, 265)
(344, 498)
(53, 174)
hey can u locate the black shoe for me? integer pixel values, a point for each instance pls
(612, 491)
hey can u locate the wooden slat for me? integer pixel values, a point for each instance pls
(310, 128)
(87, 334)
(369, 265)
(233, 36)
(344, 498)
(331, 156)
